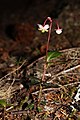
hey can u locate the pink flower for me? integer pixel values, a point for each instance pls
(43, 28)
(58, 31)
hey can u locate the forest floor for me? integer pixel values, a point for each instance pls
(23, 94)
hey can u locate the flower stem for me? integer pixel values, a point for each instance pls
(49, 35)
(47, 47)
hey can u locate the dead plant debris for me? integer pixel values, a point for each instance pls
(27, 97)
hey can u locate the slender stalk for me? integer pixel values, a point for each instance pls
(43, 29)
(47, 47)
(49, 35)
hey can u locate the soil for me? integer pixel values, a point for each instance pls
(22, 60)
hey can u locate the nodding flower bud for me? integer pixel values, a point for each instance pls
(43, 28)
(58, 31)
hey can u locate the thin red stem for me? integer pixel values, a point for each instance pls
(47, 47)
(49, 33)
(57, 24)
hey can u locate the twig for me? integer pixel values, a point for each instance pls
(46, 89)
(65, 71)
(68, 70)
(70, 84)
(8, 91)
(13, 71)
(59, 87)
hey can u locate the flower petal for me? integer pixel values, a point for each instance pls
(46, 26)
(43, 28)
(40, 26)
(59, 31)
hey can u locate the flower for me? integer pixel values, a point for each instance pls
(58, 30)
(43, 28)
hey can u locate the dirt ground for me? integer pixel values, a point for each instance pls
(23, 96)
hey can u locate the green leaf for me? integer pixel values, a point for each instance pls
(3, 103)
(34, 81)
(53, 54)
(43, 102)
(31, 106)
(39, 109)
